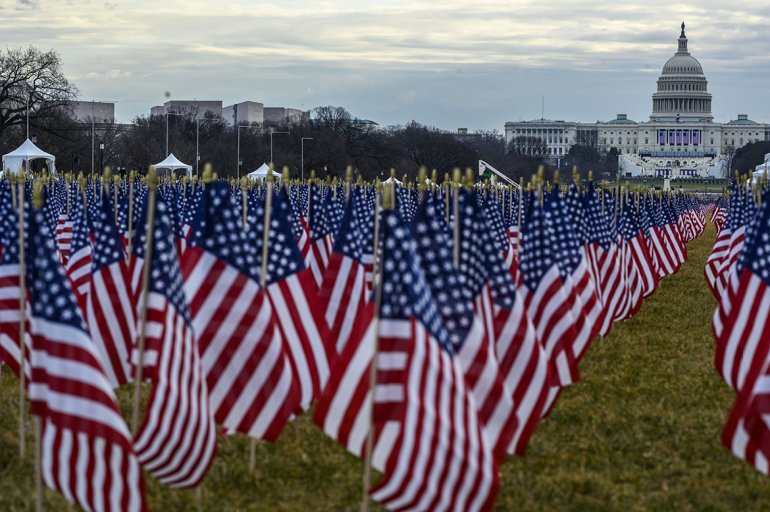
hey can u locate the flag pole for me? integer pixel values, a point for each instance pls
(22, 315)
(456, 208)
(263, 274)
(130, 212)
(387, 203)
(37, 198)
(152, 185)
(244, 201)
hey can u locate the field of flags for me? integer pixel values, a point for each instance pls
(738, 273)
(427, 328)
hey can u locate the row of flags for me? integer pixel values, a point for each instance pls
(738, 274)
(432, 329)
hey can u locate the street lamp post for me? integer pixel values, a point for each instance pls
(101, 156)
(238, 152)
(302, 164)
(271, 143)
(197, 146)
(169, 114)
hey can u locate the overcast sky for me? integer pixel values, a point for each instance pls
(450, 64)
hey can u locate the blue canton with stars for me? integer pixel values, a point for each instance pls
(434, 248)
(596, 224)
(165, 274)
(405, 292)
(219, 230)
(537, 239)
(51, 297)
(756, 246)
(565, 246)
(349, 241)
(80, 229)
(108, 248)
(283, 256)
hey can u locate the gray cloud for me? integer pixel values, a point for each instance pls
(461, 64)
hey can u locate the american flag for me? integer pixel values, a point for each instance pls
(603, 260)
(719, 251)
(547, 301)
(78, 264)
(299, 225)
(586, 308)
(634, 234)
(110, 304)
(10, 348)
(464, 300)
(343, 291)
(730, 298)
(292, 292)
(250, 382)
(321, 233)
(439, 460)
(744, 347)
(86, 449)
(177, 440)
(521, 358)
(627, 229)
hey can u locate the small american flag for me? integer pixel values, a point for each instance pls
(86, 449)
(177, 440)
(248, 375)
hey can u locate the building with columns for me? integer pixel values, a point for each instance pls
(679, 140)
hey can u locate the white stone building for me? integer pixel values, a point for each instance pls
(680, 139)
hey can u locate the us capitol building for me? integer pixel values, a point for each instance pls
(681, 138)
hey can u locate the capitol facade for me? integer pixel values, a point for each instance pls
(681, 139)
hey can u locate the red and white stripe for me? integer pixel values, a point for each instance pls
(112, 321)
(304, 331)
(441, 459)
(86, 449)
(342, 295)
(484, 378)
(177, 440)
(10, 348)
(64, 228)
(719, 252)
(549, 308)
(78, 269)
(250, 383)
(524, 365)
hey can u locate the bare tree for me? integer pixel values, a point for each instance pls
(30, 75)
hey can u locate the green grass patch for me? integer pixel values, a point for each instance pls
(639, 432)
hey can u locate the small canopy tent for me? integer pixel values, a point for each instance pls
(172, 163)
(23, 155)
(393, 180)
(261, 173)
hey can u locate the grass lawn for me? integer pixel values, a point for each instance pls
(639, 432)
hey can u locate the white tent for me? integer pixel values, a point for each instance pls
(172, 163)
(393, 180)
(261, 173)
(27, 152)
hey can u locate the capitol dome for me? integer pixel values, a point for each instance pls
(682, 64)
(682, 93)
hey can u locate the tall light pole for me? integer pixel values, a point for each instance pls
(271, 143)
(238, 152)
(169, 114)
(302, 164)
(197, 138)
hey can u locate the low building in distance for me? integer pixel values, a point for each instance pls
(197, 109)
(96, 111)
